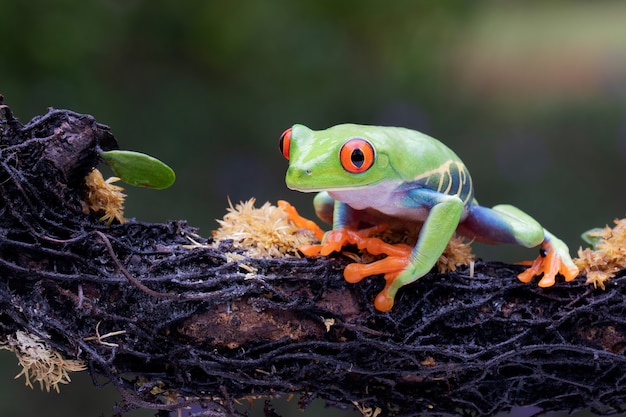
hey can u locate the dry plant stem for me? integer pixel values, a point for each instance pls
(194, 323)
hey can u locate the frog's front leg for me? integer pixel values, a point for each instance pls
(443, 219)
(508, 224)
(343, 218)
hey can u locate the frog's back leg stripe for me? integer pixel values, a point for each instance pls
(501, 224)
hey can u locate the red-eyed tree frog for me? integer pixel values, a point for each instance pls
(382, 176)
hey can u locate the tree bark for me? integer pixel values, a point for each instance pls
(195, 326)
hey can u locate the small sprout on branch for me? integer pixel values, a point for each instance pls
(607, 254)
(39, 362)
(134, 168)
(139, 169)
(593, 236)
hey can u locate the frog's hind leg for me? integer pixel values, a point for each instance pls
(501, 224)
(508, 224)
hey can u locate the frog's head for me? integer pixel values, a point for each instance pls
(342, 157)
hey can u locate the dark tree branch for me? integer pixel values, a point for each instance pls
(198, 326)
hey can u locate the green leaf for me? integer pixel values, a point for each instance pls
(139, 169)
(591, 236)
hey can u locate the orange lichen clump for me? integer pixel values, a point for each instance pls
(607, 256)
(102, 197)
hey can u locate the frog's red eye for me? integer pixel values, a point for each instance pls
(357, 155)
(284, 144)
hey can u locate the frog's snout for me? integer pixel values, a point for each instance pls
(297, 177)
(299, 172)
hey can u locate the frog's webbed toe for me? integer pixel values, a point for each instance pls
(397, 259)
(550, 263)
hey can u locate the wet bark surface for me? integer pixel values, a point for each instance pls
(200, 328)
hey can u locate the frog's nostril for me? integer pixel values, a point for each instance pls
(308, 172)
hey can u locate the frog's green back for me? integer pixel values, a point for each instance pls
(422, 161)
(411, 153)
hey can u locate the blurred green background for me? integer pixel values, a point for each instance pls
(532, 95)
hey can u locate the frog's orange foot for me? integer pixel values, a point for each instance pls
(391, 267)
(300, 221)
(384, 300)
(310, 250)
(549, 263)
(396, 261)
(336, 239)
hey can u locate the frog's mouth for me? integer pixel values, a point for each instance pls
(302, 186)
(306, 181)
(305, 189)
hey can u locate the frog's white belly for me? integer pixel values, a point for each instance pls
(383, 197)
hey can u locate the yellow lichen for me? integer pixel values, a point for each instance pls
(608, 255)
(40, 363)
(102, 197)
(262, 232)
(458, 252)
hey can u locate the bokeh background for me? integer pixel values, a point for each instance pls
(532, 95)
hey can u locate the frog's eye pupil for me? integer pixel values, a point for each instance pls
(357, 158)
(284, 143)
(357, 155)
